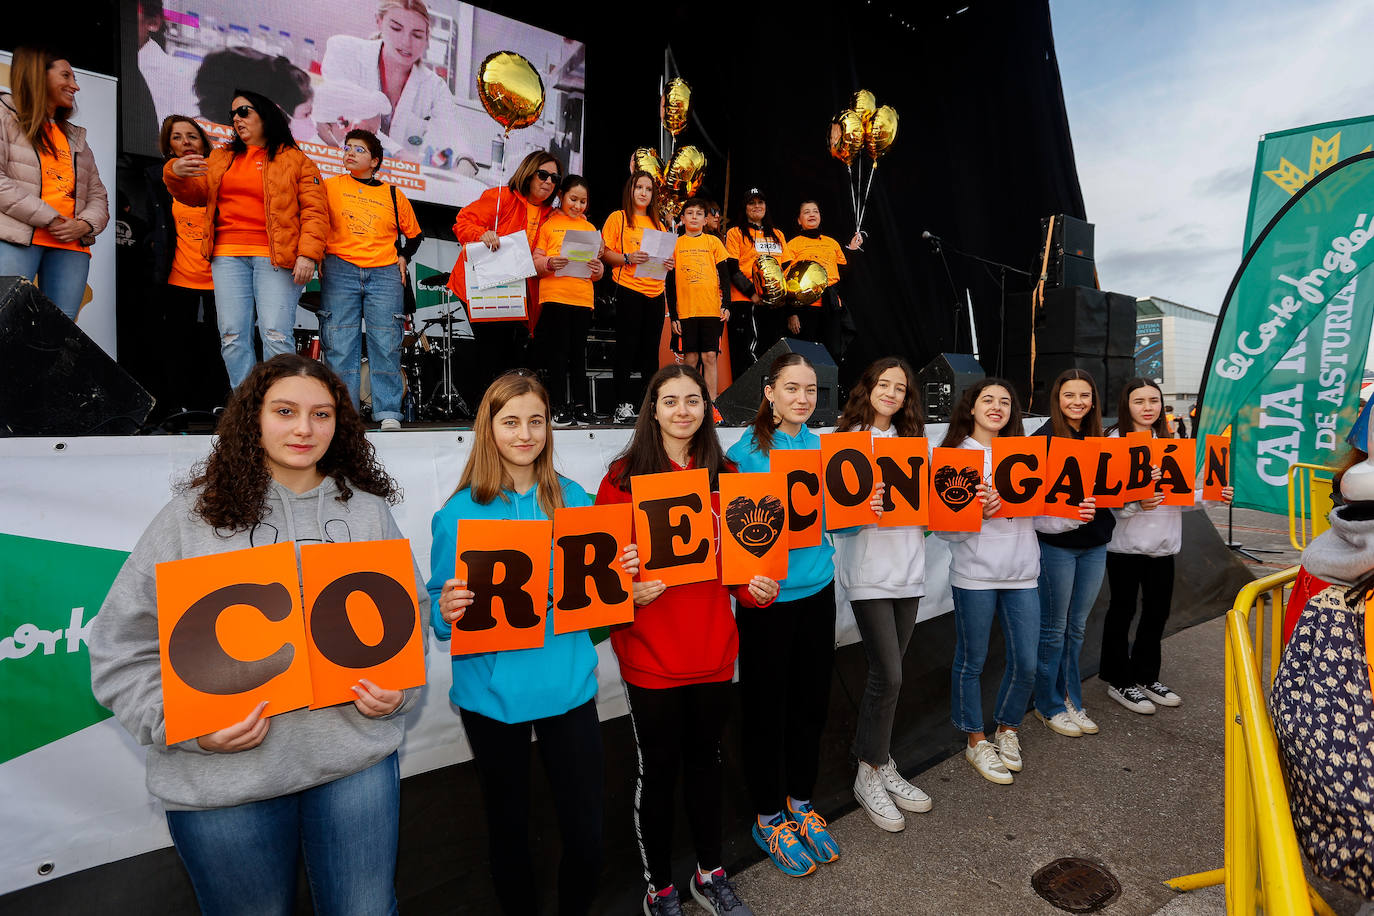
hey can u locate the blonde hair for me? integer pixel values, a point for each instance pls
(484, 473)
(409, 6)
(29, 85)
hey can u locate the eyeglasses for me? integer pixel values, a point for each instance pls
(545, 175)
(241, 112)
(355, 148)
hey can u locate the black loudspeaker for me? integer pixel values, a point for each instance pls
(740, 402)
(1071, 270)
(943, 380)
(1088, 322)
(1110, 373)
(1121, 325)
(1072, 236)
(56, 381)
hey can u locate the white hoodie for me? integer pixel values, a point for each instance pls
(874, 562)
(1005, 554)
(1157, 533)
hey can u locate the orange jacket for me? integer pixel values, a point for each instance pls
(479, 216)
(297, 210)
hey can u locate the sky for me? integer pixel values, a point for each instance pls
(1167, 100)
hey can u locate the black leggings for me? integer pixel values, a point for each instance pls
(570, 746)
(638, 329)
(1152, 578)
(561, 339)
(661, 718)
(786, 653)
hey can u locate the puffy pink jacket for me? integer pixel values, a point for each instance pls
(21, 182)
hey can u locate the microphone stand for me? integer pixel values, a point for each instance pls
(1002, 269)
(953, 289)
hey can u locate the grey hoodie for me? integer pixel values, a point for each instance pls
(1345, 554)
(303, 748)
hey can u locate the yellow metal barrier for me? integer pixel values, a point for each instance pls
(1309, 502)
(1263, 865)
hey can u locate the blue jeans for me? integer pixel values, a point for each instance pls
(242, 860)
(245, 286)
(59, 273)
(1018, 609)
(1070, 578)
(350, 295)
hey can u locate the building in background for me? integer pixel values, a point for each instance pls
(1171, 347)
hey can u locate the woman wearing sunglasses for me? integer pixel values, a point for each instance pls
(266, 221)
(521, 206)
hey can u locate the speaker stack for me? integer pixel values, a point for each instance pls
(56, 381)
(740, 402)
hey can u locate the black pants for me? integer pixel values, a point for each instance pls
(786, 653)
(638, 329)
(743, 337)
(662, 718)
(1152, 578)
(561, 340)
(771, 324)
(500, 347)
(811, 325)
(193, 373)
(570, 746)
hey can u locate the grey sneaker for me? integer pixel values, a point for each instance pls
(718, 895)
(669, 904)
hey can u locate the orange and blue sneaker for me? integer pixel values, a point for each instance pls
(810, 827)
(779, 839)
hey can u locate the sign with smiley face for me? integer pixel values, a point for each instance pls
(754, 539)
(955, 475)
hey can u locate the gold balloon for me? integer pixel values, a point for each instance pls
(851, 131)
(647, 159)
(805, 282)
(669, 206)
(839, 146)
(510, 89)
(685, 171)
(677, 98)
(865, 104)
(768, 280)
(881, 132)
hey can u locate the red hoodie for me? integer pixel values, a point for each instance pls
(686, 635)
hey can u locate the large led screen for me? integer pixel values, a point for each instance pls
(404, 69)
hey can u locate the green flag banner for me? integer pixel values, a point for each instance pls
(1288, 352)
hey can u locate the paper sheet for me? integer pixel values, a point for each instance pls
(511, 261)
(659, 247)
(580, 247)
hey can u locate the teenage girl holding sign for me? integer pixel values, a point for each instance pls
(678, 656)
(246, 803)
(503, 696)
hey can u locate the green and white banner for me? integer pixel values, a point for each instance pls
(1288, 352)
(1302, 408)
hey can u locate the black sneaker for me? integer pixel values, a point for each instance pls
(1133, 699)
(562, 419)
(1162, 695)
(718, 896)
(624, 414)
(669, 904)
(586, 417)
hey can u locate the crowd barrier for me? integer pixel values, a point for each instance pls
(1309, 502)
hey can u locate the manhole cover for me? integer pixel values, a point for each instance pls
(1076, 885)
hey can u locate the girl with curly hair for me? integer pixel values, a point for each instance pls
(993, 574)
(245, 803)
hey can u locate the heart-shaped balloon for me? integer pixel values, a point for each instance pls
(510, 89)
(956, 487)
(805, 282)
(647, 159)
(677, 98)
(880, 132)
(769, 281)
(755, 526)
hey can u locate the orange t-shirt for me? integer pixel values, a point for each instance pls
(623, 239)
(189, 269)
(824, 250)
(362, 222)
(695, 275)
(58, 187)
(241, 214)
(746, 250)
(567, 290)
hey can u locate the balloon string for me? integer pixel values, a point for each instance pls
(863, 210)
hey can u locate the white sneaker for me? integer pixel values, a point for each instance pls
(1009, 749)
(390, 425)
(1161, 694)
(904, 794)
(872, 795)
(1133, 698)
(984, 758)
(1060, 723)
(624, 413)
(1080, 718)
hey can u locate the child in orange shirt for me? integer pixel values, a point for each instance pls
(698, 292)
(819, 322)
(566, 305)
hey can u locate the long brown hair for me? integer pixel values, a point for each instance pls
(484, 473)
(627, 200)
(961, 420)
(1091, 424)
(234, 480)
(1125, 424)
(29, 85)
(524, 172)
(646, 455)
(859, 413)
(764, 420)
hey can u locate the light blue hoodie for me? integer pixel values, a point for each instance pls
(809, 569)
(517, 685)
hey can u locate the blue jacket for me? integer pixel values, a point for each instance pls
(809, 569)
(517, 685)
